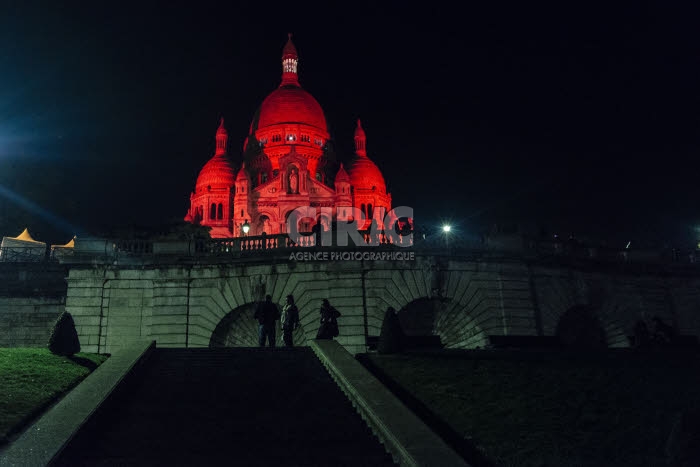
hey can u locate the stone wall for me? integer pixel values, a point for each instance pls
(32, 296)
(198, 305)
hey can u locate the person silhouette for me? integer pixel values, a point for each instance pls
(266, 314)
(329, 323)
(290, 321)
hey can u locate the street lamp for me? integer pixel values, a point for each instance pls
(245, 227)
(446, 228)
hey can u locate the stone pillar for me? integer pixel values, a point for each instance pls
(170, 319)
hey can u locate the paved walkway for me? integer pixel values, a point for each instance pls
(243, 406)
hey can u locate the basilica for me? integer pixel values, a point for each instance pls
(286, 166)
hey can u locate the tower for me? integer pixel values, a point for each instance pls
(212, 198)
(369, 188)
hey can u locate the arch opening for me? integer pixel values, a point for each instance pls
(238, 328)
(580, 328)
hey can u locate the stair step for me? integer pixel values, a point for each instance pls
(248, 406)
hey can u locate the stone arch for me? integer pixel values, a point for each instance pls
(418, 317)
(461, 326)
(264, 224)
(324, 220)
(581, 327)
(619, 316)
(303, 217)
(238, 328)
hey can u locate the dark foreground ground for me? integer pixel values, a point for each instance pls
(530, 408)
(249, 407)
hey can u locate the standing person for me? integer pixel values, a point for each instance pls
(266, 314)
(329, 323)
(290, 321)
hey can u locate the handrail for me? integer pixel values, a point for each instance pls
(95, 249)
(29, 254)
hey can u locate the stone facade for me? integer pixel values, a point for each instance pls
(198, 305)
(287, 163)
(184, 300)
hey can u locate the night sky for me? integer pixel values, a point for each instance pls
(564, 118)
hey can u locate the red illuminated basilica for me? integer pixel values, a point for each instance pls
(285, 165)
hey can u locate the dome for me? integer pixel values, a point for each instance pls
(364, 174)
(289, 104)
(217, 173)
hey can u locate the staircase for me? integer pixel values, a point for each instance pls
(243, 406)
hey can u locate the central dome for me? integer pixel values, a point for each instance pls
(289, 104)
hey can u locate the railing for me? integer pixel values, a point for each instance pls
(24, 254)
(100, 250)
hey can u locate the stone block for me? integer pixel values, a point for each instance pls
(84, 301)
(168, 320)
(170, 301)
(87, 329)
(86, 320)
(170, 291)
(84, 292)
(168, 329)
(351, 330)
(170, 340)
(83, 310)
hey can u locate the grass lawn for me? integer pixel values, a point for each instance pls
(31, 378)
(553, 409)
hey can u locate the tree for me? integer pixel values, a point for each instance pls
(64, 338)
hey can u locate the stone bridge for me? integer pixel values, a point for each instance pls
(184, 294)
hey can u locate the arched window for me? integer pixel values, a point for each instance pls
(212, 211)
(220, 212)
(264, 225)
(362, 208)
(370, 211)
(242, 213)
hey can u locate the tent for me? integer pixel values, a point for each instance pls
(59, 251)
(22, 248)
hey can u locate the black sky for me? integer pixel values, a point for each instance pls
(570, 117)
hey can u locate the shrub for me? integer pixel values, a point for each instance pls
(391, 336)
(64, 338)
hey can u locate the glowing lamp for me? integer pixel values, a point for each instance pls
(246, 227)
(446, 228)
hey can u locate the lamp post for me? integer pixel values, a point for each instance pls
(446, 231)
(245, 227)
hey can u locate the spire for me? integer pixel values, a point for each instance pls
(221, 139)
(290, 60)
(360, 140)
